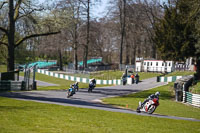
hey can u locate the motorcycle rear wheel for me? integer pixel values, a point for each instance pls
(151, 109)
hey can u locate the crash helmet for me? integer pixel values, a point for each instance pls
(157, 93)
(76, 83)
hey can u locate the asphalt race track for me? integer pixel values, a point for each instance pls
(92, 100)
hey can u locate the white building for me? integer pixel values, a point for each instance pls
(154, 66)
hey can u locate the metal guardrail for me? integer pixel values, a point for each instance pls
(79, 79)
(192, 99)
(168, 79)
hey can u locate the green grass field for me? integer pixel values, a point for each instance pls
(31, 117)
(180, 73)
(167, 104)
(106, 75)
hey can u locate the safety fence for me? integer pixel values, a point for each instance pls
(193, 99)
(79, 79)
(168, 79)
(10, 85)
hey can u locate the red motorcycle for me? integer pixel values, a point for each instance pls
(149, 107)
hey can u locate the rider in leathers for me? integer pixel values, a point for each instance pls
(152, 96)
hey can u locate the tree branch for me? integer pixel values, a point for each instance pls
(4, 30)
(17, 9)
(6, 44)
(34, 35)
(1, 6)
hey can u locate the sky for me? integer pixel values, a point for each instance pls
(98, 10)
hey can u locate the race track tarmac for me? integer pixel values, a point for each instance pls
(83, 99)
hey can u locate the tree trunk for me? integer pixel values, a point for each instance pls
(75, 57)
(11, 38)
(75, 48)
(198, 69)
(85, 57)
(60, 58)
(123, 22)
(88, 35)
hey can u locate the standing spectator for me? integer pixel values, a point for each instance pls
(137, 78)
(133, 78)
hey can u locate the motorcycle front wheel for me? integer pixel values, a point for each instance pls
(68, 94)
(138, 110)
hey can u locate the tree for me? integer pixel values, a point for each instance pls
(122, 15)
(16, 11)
(175, 33)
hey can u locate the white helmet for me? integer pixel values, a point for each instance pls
(157, 93)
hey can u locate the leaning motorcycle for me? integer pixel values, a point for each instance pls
(91, 87)
(70, 92)
(149, 107)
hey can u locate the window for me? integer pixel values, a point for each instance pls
(156, 63)
(169, 64)
(144, 63)
(163, 64)
(151, 63)
(147, 63)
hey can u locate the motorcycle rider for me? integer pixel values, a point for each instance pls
(93, 82)
(123, 76)
(72, 88)
(152, 96)
(75, 84)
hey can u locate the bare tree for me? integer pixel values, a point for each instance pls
(16, 11)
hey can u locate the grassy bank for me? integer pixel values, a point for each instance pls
(31, 117)
(195, 88)
(113, 74)
(180, 73)
(167, 104)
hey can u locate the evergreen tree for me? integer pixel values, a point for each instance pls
(175, 35)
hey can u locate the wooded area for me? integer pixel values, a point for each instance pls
(66, 30)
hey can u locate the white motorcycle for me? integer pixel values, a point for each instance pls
(149, 107)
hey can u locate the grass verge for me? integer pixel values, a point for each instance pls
(32, 117)
(195, 88)
(62, 83)
(180, 73)
(167, 104)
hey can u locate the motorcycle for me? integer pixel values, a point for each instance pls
(70, 92)
(91, 87)
(149, 107)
